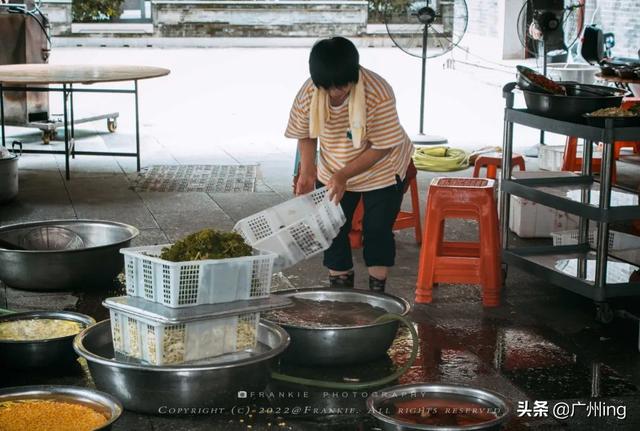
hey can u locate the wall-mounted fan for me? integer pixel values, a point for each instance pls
(426, 29)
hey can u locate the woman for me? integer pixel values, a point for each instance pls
(364, 153)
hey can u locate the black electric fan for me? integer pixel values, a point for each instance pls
(550, 27)
(426, 29)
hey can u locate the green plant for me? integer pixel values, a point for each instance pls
(377, 9)
(96, 10)
(207, 244)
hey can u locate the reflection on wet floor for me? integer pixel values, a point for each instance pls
(525, 357)
(518, 361)
(476, 352)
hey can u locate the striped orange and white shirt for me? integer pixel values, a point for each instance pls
(336, 148)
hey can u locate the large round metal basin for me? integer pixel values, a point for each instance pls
(166, 389)
(95, 264)
(437, 401)
(98, 401)
(580, 99)
(343, 345)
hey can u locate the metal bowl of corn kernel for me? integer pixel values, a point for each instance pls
(57, 408)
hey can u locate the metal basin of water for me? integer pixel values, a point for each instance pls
(162, 389)
(343, 345)
(63, 254)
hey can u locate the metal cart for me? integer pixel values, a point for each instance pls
(49, 127)
(594, 274)
(25, 39)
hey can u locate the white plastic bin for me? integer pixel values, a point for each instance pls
(550, 157)
(617, 240)
(184, 284)
(159, 335)
(532, 220)
(161, 344)
(296, 229)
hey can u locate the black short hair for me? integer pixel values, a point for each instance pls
(334, 62)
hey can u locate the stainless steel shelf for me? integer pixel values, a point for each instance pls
(574, 267)
(575, 194)
(593, 274)
(579, 130)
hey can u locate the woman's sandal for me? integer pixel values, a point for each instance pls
(343, 281)
(376, 285)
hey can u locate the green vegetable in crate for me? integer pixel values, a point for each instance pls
(207, 244)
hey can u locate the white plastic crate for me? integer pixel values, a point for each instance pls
(160, 335)
(164, 344)
(532, 220)
(617, 240)
(550, 157)
(184, 284)
(296, 229)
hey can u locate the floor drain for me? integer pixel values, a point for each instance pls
(197, 178)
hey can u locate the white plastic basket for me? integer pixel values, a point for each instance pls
(296, 229)
(184, 284)
(617, 240)
(165, 344)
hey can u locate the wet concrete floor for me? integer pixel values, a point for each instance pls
(541, 347)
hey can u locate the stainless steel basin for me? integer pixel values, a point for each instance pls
(53, 352)
(95, 264)
(343, 345)
(164, 389)
(99, 401)
(456, 398)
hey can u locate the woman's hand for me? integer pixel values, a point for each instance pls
(337, 185)
(306, 182)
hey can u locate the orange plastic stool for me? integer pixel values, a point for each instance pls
(404, 220)
(493, 161)
(461, 262)
(571, 162)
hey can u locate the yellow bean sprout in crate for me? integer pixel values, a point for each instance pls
(158, 335)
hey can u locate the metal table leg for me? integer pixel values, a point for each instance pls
(507, 149)
(73, 127)
(602, 248)
(583, 227)
(137, 127)
(505, 198)
(4, 135)
(65, 97)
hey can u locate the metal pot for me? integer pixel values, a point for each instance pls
(580, 99)
(379, 404)
(99, 401)
(54, 352)
(575, 72)
(95, 264)
(162, 389)
(8, 178)
(343, 345)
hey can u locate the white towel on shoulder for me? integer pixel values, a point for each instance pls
(319, 112)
